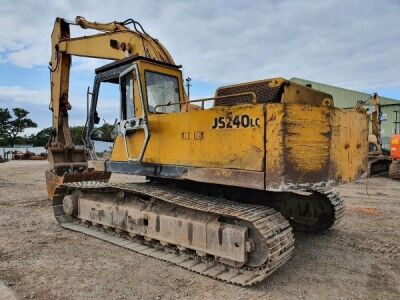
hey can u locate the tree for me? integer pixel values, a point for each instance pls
(103, 133)
(41, 138)
(10, 128)
(5, 118)
(76, 134)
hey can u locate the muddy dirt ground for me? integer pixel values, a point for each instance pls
(359, 259)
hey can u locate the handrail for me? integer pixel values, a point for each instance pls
(202, 100)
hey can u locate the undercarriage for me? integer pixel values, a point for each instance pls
(313, 211)
(237, 242)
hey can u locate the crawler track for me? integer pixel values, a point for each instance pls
(273, 227)
(333, 208)
(338, 206)
(394, 169)
(314, 211)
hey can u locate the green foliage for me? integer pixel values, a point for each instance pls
(10, 127)
(76, 134)
(41, 138)
(103, 133)
(5, 118)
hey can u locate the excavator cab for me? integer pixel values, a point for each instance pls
(146, 87)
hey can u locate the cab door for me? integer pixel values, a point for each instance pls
(133, 131)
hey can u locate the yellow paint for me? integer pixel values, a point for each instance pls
(98, 46)
(173, 142)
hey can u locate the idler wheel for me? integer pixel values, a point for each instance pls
(256, 245)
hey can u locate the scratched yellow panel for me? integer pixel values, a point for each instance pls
(309, 145)
(297, 143)
(135, 143)
(349, 146)
(274, 143)
(188, 139)
(134, 146)
(119, 150)
(307, 134)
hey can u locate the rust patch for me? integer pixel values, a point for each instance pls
(53, 180)
(233, 177)
(366, 210)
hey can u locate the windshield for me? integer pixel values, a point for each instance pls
(162, 89)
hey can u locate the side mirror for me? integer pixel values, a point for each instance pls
(89, 95)
(96, 117)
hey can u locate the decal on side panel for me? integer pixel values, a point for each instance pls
(240, 121)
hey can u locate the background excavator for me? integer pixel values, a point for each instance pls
(378, 158)
(225, 185)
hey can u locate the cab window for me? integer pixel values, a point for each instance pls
(127, 104)
(161, 89)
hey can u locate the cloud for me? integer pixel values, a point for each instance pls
(28, 57)
(18, 94)
(87, 65)
(353, 44)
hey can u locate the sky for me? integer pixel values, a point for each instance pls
(352, 44)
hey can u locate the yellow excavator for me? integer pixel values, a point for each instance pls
(224, 185)
(378, 158)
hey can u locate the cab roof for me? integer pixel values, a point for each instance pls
(131, 59)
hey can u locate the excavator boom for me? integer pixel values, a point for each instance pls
(117, 42)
